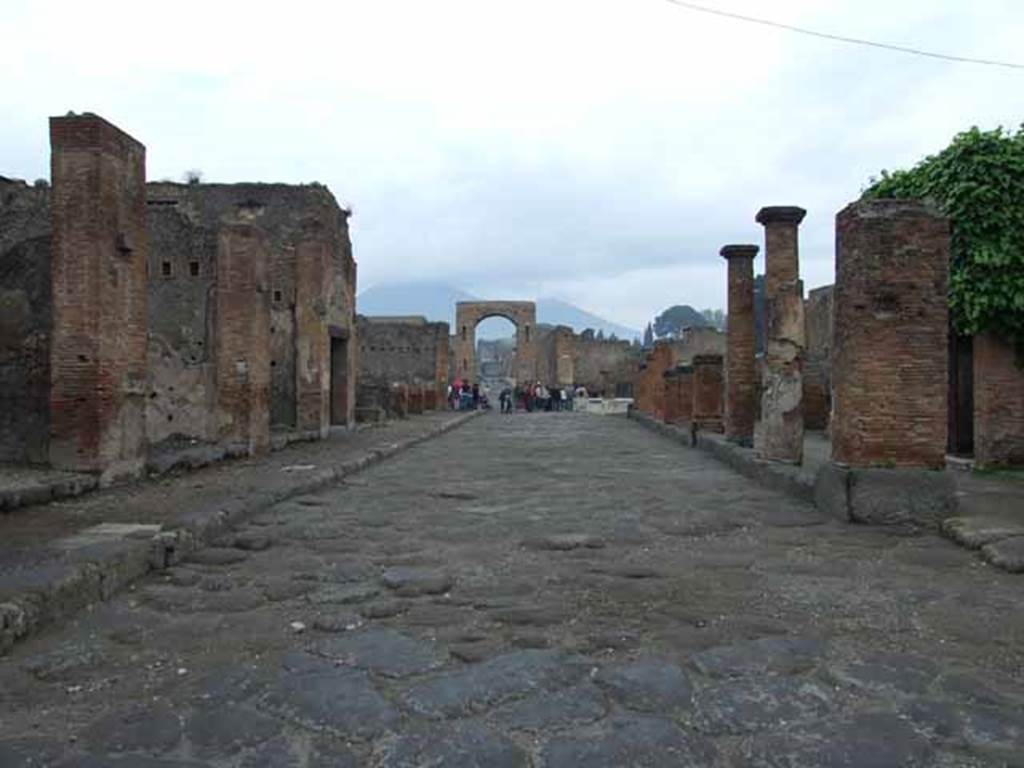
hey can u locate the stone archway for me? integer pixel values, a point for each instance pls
(522, 314)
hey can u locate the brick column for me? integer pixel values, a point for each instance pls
(98, 351)
(243, 338)
(740, 364)
(707, 392)
(780, 435)
(890, 354)
(998, 403)
(313, 283)
(685, 373)
(671, 413)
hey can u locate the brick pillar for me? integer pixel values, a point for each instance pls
(98, 352)
(890, 351)
(998, 403)
(685, 384)
(707, 392)
(671, 414)
(313, 283)
(740, 363)
(780, 435)
(442, 342)
(243, 338)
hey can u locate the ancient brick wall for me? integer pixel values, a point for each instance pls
(605, 368)
(310, 282)
(818, 358)
(401, 349)
(889, 359)
(26, 319)
(99, 348)
(243, 337)
(707, 392)
(649, 386)
(740, 370)
(998, 403)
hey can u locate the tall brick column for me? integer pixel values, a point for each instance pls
(707, 392)
(98, 352)
(243, 338)
(780, 435)
(313, 283)
(740, 363)
(890, 353)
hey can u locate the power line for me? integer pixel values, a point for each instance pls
(841, 38)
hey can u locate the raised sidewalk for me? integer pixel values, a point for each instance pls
(59, 557)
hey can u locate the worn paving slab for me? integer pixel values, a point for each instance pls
(548, 590)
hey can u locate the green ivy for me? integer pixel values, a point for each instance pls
(978, 181)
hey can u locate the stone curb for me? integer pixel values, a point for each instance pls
(1001, 545)
(100, 571)
(778, 477)
(44, 493)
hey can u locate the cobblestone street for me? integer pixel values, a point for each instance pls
(545, 590)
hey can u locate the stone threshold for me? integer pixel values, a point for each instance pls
(107, 557)
(915, 500)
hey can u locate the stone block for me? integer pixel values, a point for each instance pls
(909, 498)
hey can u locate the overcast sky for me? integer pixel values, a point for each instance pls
(599, 151)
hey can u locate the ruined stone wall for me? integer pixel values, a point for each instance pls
(707, 392)
(310, 286)
(699, 341)
(998, 403)
(26, 320)
(649, 385)
(99, 346)
(818, 358)
(605, 368)
(890, 353)
(400, 350)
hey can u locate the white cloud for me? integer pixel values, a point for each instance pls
(599, 150)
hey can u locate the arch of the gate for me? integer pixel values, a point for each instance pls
(522, 314)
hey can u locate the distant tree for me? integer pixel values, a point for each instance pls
(600, 334)
(649, 336)
(612, 337)
(671, 322)
(193, 176)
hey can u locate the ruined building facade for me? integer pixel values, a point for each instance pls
(142, 317)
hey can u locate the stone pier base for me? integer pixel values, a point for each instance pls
(914, 498)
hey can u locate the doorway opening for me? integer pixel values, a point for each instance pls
(339, 381)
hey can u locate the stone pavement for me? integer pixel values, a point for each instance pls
(57, 558)
(545, 590)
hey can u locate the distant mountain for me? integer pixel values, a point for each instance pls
(436, 302)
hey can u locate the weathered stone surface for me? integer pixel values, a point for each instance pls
(901, 497)
(564, 542)
(976, 532)
(578, 705)
(491, 682)
(462, 745)
(338, 621)
(128, 761)
(29, 753)
(888, 673)
(343, 595)
(383, 609)
(749, 705)
(409, 581)
(782, 655)
(340, 701)
(986, 730)
(252, 541)
(535, 616)
(644, 742)
(154, 728)
(648, 686)
(874, 740)
(217, 556)
(281, 589)
(382, 651)
(1007, 554)
(220, 729)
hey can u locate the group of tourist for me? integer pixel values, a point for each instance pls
(466, 396)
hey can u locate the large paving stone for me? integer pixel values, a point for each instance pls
(564, 542)
(466, 744)
(873, 740)
(986, 730)
(153, 729)
(1008, 554)
(348, 594)
(975, 532)
(29, 753)
(225, 729)
(491, 682)
(410, 581)
(216, 556)
(340, 701)
(529, 615)
(648, 686)
(278, 753)
(888, 673)
(129, 761)
(578, 705)
(637, 742)
(750, 704)
(382, 651)
(779, 655)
